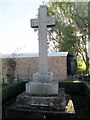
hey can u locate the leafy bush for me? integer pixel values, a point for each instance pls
(87, 88)
(12, 90)
(72, 87)
(81, 66)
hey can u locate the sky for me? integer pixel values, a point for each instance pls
(16, 35)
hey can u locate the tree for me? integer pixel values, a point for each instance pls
(81, 19)
(71, 30)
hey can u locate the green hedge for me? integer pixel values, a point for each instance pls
(87, 88)
(72, 87)
(12, 90)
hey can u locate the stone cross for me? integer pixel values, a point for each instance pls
(42, 22)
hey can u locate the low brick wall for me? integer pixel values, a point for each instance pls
(26, 66)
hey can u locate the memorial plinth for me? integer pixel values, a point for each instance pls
(42, 88)
(43, 77)
(42, 84)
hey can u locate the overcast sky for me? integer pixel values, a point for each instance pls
(15, 30)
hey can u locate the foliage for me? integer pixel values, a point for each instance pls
(11, 69)
(81, 104)
(87, 89)
(81, 66)
(71, 30)
(11, 65)
(72, 87)
(11, 90)
(81, 19)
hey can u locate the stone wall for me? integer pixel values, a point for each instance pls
(26, 66)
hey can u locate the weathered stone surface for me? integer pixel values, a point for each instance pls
(42, 22)
(42, 81)
(41, 88)
(57, 102)
(43, 77)
(53, 102)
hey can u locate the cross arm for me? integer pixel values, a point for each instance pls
(50, 21)
(34, 23)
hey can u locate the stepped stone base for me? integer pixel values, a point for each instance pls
(32, 107)
(46, 101)
(29, 106)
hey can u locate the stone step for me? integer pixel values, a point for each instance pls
(42, 88)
